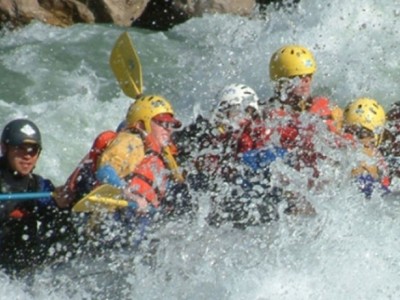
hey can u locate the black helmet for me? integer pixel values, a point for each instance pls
(21, 131)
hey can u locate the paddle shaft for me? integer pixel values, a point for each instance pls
(25, 196)
(107, 201)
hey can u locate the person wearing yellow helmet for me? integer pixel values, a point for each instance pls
(293, 114)
(365, 119)
(137, 154)
(291, 68)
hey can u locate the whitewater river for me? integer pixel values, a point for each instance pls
(61, 79)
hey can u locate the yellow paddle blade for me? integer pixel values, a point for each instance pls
(104, 197)
(125, 63)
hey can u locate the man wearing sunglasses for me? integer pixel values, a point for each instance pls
(140, 158)
(28, 227)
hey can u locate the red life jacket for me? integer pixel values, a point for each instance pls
(90, 160)
(297, 138)
(255, 135)
(100, 144)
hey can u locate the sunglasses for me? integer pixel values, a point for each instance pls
(225, 107)
(25, 149)
(360, 132)
(165, 125)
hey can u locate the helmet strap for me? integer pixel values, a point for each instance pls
(137, 128)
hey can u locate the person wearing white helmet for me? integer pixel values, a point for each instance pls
(227, 130)
(211, 151)
(235, 101)
(237, 109)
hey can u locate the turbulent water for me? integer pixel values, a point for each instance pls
(61, 79)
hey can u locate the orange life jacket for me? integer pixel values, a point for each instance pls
(151, 175)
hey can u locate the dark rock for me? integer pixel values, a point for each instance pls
(161, 15)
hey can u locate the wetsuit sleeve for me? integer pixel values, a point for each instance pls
(45, 185)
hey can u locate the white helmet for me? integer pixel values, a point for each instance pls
(237, 94)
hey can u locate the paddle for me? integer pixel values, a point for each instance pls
(106, 197)
(125, 63)
(25, 196)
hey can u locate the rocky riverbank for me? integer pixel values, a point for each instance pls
(151, 14)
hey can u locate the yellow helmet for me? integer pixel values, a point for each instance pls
(368, 113)
(291, 60)
(146, 108)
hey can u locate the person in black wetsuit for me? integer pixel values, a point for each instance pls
(29, 228)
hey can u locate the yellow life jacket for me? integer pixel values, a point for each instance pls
(124, 153)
